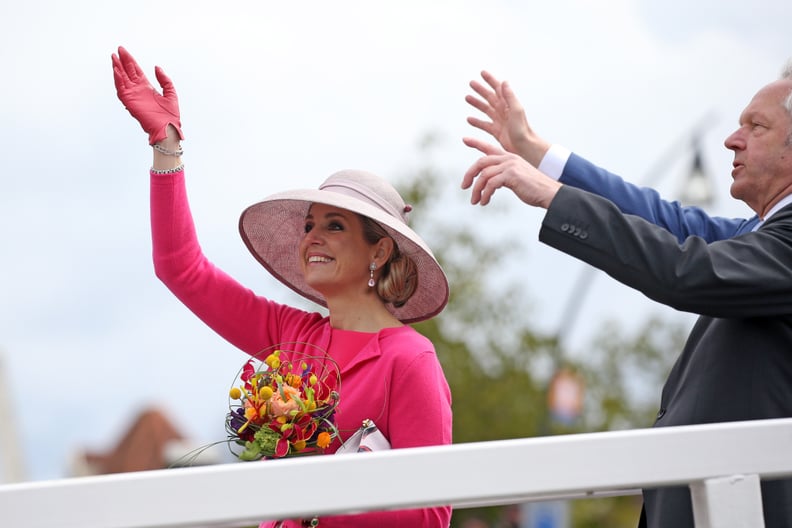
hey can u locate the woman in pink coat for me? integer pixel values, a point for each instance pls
(345, 246)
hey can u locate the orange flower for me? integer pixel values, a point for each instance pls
(323, 440)
(280, 406)
(293, 380)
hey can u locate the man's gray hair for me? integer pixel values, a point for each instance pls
(786, 74)
(786, 71)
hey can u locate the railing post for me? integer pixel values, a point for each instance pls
(727, 502)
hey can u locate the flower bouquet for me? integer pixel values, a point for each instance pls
(283, 406)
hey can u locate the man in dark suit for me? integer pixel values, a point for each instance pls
(735, 273)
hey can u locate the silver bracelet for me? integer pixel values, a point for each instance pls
(160, 148)
(178, 168)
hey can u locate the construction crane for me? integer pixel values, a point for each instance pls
(11, 462)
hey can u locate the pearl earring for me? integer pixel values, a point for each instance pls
(372, 267)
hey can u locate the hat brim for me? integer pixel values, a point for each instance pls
(272, 230)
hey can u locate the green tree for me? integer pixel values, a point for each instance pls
(499, 366)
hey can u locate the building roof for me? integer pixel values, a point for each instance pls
(142, 447)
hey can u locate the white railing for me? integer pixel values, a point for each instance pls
(722, 464)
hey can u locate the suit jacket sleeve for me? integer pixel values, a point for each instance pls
(647, 203)
(745, 276)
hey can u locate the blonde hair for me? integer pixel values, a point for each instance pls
(398, 279)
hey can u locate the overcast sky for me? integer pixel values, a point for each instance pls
(277, 95)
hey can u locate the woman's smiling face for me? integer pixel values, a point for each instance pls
(335, 256)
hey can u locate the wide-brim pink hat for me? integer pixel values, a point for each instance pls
(272, 230)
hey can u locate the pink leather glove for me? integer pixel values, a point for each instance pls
(154, 111)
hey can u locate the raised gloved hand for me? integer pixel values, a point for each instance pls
(154, 111)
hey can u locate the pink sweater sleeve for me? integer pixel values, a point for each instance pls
(419, 415)
(236, 313)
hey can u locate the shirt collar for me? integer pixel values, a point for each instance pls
(786, 200)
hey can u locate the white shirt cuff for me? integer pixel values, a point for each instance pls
(554, 161)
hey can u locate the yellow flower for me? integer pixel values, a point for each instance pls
(299, 445)
(235, 393)
(273, 360)
(313, 379)
(265, 393)
(250, 413)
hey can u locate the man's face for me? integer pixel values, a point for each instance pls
(762, 146)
